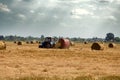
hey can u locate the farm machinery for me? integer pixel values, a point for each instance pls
(50, 42)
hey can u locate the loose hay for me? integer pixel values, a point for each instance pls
(58, 45)
(111, 45)
(72, 43)
(2, 45)
(97, 46)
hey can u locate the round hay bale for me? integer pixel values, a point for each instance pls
(97, 46)
(2, 45)
(37, 42)
(19, 43)
(85, 42)
(31, 42)
(64, 43)
(27, 42)
(111, 45)
(15, 42)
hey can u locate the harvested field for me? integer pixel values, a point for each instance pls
(79, 60)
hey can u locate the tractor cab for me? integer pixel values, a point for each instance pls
(48, 42)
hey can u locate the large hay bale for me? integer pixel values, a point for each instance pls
(97, 46)
(2, 45)
(63, 43)
(111, 45)
(19, 43)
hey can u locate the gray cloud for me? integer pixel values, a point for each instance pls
(4, 8)
(84, 18)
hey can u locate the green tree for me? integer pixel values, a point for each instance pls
(117, 39)
(109, 37)
(42, 37)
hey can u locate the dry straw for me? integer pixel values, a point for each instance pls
(97, 46)
(72, 43)
(2, 45)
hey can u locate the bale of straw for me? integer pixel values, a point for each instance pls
(37, 41)
(64, 43)
(2, 45)
(97, 46)
(15, 42)
(19, 43)
(85, 42)
(27, 42)
(111, 45)
(31, 42)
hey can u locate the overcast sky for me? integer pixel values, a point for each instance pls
(67, 18)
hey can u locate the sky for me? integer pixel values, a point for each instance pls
(65, 18)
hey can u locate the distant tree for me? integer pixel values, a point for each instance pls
(109, 37)
(74, 39)
(9, 38)
(55, 37)
(29, 38)
(1, 37)
(42, 37)
(117, 39)
(18, 38)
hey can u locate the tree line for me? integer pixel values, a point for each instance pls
(18, 38)
(109, 37)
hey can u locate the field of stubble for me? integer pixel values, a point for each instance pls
(28, 60)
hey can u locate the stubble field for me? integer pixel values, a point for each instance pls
(28, 60)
